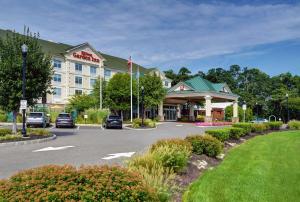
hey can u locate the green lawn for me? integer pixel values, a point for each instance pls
(265, 168)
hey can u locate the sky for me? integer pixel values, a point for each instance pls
(169, 34)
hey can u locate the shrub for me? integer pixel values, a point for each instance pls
(172, 157)
(205, 144)
(41, 132)
(137, 123)
(295, 125)
(3, 117)
(200, 118)
(5, 131)
(258, 127)
(221, 134)
(66, 183)
(246, 126)
(236, 133)
(276, 125)
(154, 175)
(180, 143)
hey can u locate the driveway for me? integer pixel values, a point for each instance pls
(88, 145)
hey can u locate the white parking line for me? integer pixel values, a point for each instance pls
(78, 127)
(52, 128)
(179, 125)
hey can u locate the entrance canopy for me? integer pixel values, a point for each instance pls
(198, 90)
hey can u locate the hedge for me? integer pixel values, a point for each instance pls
(205, 144)
(276, 125)
(66, 183)
(295, 125)
(222, 134)
(180, 143)
(236, 133)
(5, 131)
(259, 127)
(246, 126)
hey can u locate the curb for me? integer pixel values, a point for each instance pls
(139, 128)
(26, 142)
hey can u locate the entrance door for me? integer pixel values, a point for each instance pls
(170, 113)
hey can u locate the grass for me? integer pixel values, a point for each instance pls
(266, 168)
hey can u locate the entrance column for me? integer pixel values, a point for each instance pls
(191, 114)
(208, 117)
(161, 111)
(178, 111)
(235, 117)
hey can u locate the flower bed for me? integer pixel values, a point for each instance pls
(213, 123)
(6, 135)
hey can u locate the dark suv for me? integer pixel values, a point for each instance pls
(64, 120)
(112, 121)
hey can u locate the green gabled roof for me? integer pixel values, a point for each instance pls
(200, 84)
(218, 86)
(60, 49)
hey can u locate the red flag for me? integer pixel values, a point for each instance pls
(129, 63)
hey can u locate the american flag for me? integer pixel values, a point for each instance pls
(129, 63)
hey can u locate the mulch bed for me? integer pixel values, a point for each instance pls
(31, 137)
(195, 166)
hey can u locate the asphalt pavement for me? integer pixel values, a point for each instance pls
(88, 145)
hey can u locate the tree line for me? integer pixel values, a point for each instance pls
(264, 94)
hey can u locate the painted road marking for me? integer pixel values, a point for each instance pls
(78, 127)
(53, 148)
(179, 125)
(118, 155)
(51, 128)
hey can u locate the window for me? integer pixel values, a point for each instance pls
(78, 92)
(93, 70)
(107, 73)
(78, 67)
(92, 82)
(57, 92)
(57, 64)
(57, 77)
(78, 80)
(166, 83)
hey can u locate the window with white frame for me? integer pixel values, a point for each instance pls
(78, 80)
(57, 92)
(93, 70)
(92, 82)
(57, 78)
(78, 67)
(107, 73)
(57, 64)
(78, 92)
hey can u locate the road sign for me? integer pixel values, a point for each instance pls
(244, 106)
(23, 104)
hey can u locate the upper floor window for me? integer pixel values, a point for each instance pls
(57, 77)
(166, 83)
(107, 73)
(78, 67)
(78, 80)
(78, 92)
(93, 70)
(57, 92)
(56, 63)
(92, 82)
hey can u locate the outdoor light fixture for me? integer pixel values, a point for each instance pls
(143, 94)
(244, 109)
(23, 101)
(287, 107)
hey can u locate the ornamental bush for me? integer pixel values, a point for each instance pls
(5, 131)
(66, 183)
(221, 134)
(258, 127)
(294, 125)
(205, 144)
(173, 157)
(180, 143)
(246, 126)
(137, 123)
(275, 125)
(236, 133)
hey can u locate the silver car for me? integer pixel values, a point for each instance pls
(37, 119)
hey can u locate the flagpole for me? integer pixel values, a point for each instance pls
(100, 92)
(131, 89)
(138, 92)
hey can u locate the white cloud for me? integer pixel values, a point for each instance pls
(158, 32)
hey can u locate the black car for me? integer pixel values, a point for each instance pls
(64, 120)
(112, 121)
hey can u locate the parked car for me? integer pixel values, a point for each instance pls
(64, 120)
(37, 119)
(112, 121)
(259, 120)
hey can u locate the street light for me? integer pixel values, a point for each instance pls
(24, 54)
(143, 94)
(256, 111)
(287, 107)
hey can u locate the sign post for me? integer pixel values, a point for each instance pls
(23, 104)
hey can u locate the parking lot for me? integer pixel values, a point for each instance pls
(88, 145)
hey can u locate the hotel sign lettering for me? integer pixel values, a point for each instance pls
(86, 56)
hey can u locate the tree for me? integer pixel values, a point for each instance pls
(248, 113)
(81, 102)
(38, 74)
(153, 89)
(96, 93)
(183, 74)
(118, 92)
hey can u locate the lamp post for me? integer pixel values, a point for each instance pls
(244, 109)
(143, 94)
(24, 54)
(287, 107)
(256, 111)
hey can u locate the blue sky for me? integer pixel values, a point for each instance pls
(171, 34)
